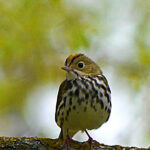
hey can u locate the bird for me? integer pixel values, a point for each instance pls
(84, 98)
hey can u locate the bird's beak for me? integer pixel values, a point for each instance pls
(66, 68)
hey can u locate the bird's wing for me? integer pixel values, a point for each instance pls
(62, 90)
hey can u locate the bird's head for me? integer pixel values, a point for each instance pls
(80, 65)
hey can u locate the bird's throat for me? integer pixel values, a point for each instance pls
(71, 75)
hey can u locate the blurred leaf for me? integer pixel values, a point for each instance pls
(33, 36)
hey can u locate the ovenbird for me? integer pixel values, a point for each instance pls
(83, 100)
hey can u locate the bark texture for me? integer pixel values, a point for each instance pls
(27, 143)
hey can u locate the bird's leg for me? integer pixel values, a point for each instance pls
(67, 141)
(90, 140)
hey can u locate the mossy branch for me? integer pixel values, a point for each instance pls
(27, 143)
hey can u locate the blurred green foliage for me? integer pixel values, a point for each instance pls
(33, 37)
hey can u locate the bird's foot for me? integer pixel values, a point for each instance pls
(67, 141)
(90, 140)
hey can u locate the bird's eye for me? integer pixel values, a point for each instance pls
(80, 64)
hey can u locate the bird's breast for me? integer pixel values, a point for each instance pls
(86, 103)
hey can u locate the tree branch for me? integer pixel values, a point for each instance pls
(27, 143)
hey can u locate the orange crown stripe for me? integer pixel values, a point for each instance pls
(73, 56)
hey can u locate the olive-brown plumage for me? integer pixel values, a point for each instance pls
(83, 100)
